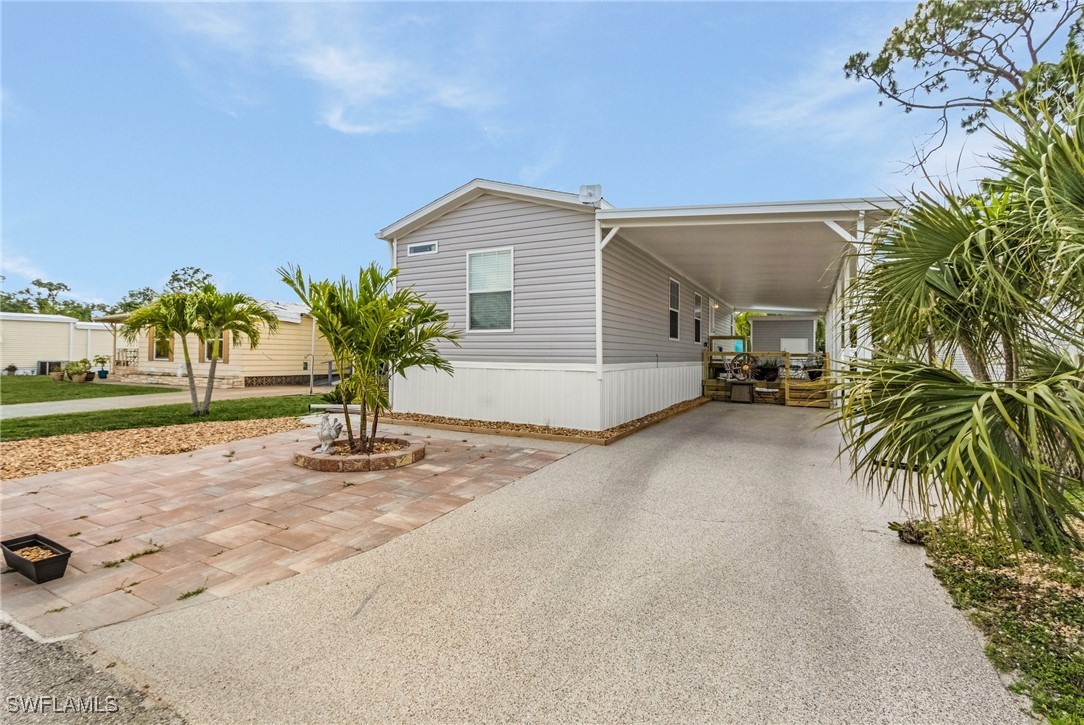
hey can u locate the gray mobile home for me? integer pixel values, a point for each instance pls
(578, 314)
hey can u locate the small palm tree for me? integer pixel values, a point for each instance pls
(375, 333)
(999, 274)
(169, 315)
(217, 314)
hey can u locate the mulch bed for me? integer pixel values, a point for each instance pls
(600, 436)
(61, 453)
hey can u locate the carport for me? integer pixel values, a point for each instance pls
(790, 258)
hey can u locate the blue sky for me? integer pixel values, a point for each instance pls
(138, 138)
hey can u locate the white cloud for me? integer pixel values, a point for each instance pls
(19, 266)
(819, 106)
(369, 79)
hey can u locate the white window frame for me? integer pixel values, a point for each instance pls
(698, 316)
(411, 253)
(512, 290)
(673, 309)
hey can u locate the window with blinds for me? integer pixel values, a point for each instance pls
(489, 290)
(698, 308)
(675, 305)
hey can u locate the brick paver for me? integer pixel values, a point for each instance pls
(223, 522)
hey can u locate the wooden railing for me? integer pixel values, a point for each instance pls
(799, 382)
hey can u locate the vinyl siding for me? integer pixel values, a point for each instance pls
(766, 332)
(25, 342)
(636, 309)
(553, 278)
(282, 353)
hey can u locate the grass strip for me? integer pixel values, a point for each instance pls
(16, 389)
(43, 426)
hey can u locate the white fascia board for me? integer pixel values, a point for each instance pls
(830, 209)
(472, 190)
(35, 317)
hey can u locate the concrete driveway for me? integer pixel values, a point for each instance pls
(718, 567)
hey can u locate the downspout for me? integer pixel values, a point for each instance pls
(312, 352)
(393, 245)
(71, 341)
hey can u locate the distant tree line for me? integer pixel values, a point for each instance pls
(53, 298)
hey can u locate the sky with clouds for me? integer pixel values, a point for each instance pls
(138, 138)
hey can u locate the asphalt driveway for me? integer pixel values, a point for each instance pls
(716, 567)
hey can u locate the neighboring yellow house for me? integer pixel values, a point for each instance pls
(282, 358)
(35, 343)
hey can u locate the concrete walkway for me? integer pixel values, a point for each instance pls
(718, 567)
(52, 407)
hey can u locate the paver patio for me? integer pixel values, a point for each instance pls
(226, 518)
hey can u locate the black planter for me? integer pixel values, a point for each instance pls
(36, 571)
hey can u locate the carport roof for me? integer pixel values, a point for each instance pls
(777, 256)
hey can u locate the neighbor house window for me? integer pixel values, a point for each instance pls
(414, 250)
(161, 347)
(698, 304)
(489, 290)
(675, 304)
(207, 350)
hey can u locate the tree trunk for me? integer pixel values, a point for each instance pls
(191, 375)
(1010, 362)
(345, 399)
(974, 360)
(363, 441)
(372, 438)
(210, 386)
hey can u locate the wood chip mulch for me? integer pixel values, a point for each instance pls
(550, 430)
(61, 453)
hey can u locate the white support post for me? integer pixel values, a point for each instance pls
(865, 337)
(598, 299)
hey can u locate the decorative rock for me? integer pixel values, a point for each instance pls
(314, 460)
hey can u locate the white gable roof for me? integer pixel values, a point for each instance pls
(474, 189)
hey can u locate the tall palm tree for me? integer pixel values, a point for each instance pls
(218, 314)
(1000, 274)
(375, 333)
(169, 315)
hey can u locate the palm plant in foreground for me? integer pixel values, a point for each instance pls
(1000, 275)
(375, 332)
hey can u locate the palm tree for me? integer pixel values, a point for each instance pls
(217, 314)
(169, 315)
(375, 333)
(1000, 275)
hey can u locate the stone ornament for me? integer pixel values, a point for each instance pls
(329, 431)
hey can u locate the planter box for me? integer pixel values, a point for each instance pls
(36, 571)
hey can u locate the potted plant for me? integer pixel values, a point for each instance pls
(11, 369)
(37, 558)
(77, 370)
(768, 369)
(814, 366)
(101, 361)
(57, 375)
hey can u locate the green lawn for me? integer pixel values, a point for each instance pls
(242, 409)
(42, 388)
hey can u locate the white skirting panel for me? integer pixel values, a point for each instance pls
(517, 394)
(632, 392)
